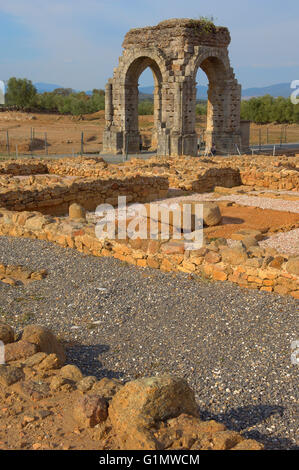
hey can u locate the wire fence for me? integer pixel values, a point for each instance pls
(278, 135)
(17, 141)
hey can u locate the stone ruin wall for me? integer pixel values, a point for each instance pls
(50, 187)
(174, 50)
(254, 268)
(142, 181)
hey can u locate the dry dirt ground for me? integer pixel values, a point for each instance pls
(63, 133)
(43, 423)
(237, 218)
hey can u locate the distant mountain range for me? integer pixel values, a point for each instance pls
(49, 87)
(280, 89)
(45, 87)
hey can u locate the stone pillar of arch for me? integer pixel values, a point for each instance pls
(174, 50)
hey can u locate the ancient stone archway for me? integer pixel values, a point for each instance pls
(174, 50)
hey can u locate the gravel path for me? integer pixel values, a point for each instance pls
(243, 200)
(284, 242)
(232, 345)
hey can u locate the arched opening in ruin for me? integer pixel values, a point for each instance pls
(135, 142)
(210, 127)
(201, 103)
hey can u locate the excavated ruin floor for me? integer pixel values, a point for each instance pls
(250, 212)
(259, 213)
(232, 345)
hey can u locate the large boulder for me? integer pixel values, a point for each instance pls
(44, 340)
(141, 404)
(7, 334)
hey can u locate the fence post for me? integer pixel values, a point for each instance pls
(46, 144)
(17, 153)
(7, 142)
(260, 139)
(82, 143)
(127, 145)
(31, 140)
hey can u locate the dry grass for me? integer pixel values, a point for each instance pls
(64, 132)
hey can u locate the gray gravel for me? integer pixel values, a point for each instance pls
(242, 199)
(283, 242)
(232, 345)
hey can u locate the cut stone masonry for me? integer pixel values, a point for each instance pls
(174, 50)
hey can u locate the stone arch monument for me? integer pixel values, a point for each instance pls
(174, 50)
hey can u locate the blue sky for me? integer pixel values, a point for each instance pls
(77, 43)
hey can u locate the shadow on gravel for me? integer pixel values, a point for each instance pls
(241, 418)
(87, 358)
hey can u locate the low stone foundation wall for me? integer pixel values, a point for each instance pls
(283, 179)
(186, 173)
(23, 167)
(53, 197)
(253, 268)
(266, 171)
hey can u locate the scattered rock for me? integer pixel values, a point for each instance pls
(277, 262)
(244, 233)
(7, 334)
(45, 341)
(35, 390)
(90, 410)
(19, 350)
(226, 440)
(57, 383)
(86, 383)
(140, 404)
(35, 359)
(10, 374)
(248, 444)
(235, 256)
(9, 281)
(212, 257)
(249, 242)
(107, 388)
(292, 266)
(71, 372)
(51, 362)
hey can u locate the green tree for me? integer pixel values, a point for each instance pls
(201, 109)
(266, 109)
(145, 108)
(95, 91)
(63, 91)
(20, 92)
